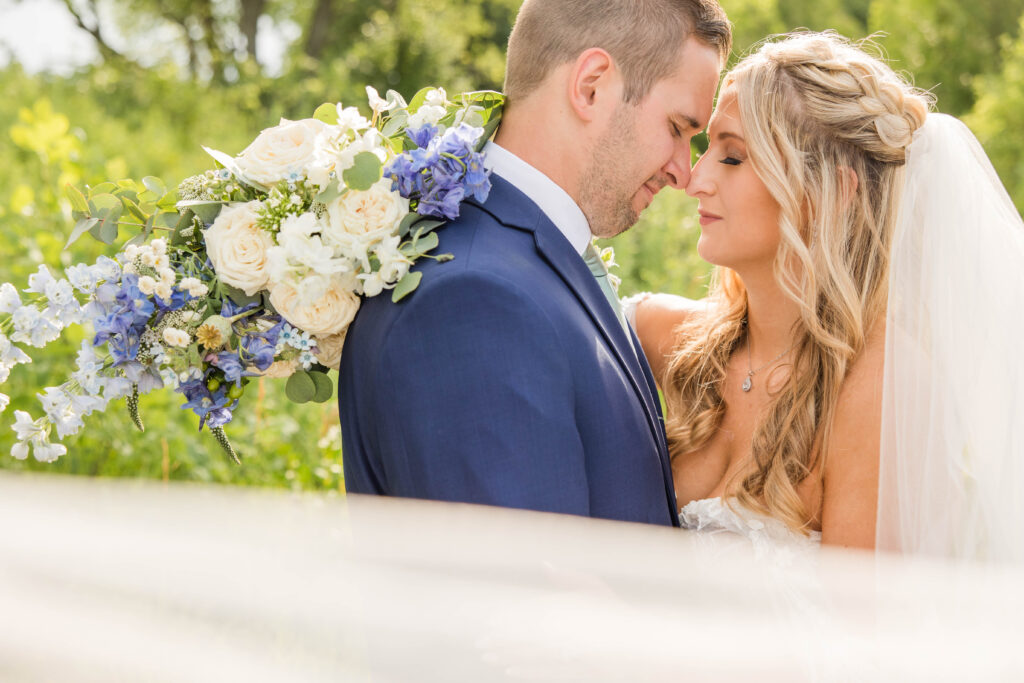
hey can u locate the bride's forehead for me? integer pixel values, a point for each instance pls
(726, 116)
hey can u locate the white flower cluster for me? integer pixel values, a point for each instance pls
(65, 407)
(322, 256)
(151, 258)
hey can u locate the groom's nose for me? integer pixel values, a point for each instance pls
(677, 171)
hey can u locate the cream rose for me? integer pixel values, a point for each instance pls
(281, 151)
(377, 210)
(319, 305)
(277, 370)
(328, 349)
(238, 248)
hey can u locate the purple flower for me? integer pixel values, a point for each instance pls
(422, 135)
(229, 363)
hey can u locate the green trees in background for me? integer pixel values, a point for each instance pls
(175, 74)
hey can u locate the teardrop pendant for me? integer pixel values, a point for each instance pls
(747, 384)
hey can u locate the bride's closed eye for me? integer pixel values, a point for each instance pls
(731, 161)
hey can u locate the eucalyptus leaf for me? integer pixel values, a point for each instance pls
(406, 286)
(327, 112)
(405, 227)
(155, 185)
(77, 199)
(364, 172)
(489, 128)
(324, 387)
(106, 229)
(240, 298)
(183, 222)
(102, 188)
(332, 192)
(81, 227)
(133, 208)
(395, 121)
(426, 242)
(418, 99)
(168, 200)
(300, 388)
(206, 210)
(102, 201)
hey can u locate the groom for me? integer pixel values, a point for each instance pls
(510, 377)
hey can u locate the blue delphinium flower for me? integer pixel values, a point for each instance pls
(422, 135)
(442, 171)
(213, 407)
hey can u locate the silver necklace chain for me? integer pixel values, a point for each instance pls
(748, 383)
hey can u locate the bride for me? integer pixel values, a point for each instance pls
(852, 376)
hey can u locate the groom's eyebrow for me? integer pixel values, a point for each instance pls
(687, 121)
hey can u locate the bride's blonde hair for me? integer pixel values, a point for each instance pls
(814, 107)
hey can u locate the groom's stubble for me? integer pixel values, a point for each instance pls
(611, 178)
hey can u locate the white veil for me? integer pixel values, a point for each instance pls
(952, 452)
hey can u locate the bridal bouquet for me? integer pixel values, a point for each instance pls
(255, 268)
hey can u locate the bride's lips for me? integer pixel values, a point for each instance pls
(707, 218)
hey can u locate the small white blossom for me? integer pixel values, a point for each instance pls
(106, 269)
(82, 278)
(306, 358)
(25, 427)
(5, 400)
(147, 285)
(9, 299)
(163, 290)
(162, 262)
(175, 337)
(38, 280)
(32, 327)
(159, 245)
(377, 103)
(20, 450)
(149, 259)
(167, 276)
(131, 252)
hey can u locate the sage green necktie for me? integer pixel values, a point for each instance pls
(593, 260)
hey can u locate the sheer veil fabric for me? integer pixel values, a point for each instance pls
(952, 451)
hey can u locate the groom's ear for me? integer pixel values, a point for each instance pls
(594, 84)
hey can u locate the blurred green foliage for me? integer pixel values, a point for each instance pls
(187, 74)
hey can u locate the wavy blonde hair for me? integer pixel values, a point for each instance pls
(812, 105)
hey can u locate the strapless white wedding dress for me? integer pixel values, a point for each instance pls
(719, 523)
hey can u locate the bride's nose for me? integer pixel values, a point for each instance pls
(699, 182)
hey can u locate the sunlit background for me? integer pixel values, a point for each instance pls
(107, 89)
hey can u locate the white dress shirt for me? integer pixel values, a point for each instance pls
(555, 202)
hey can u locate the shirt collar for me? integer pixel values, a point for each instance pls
(555, 202)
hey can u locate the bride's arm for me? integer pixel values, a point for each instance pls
(850, 489)
(655, 318)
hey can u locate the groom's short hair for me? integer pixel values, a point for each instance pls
(642, 36)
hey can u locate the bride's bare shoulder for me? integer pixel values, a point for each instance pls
(851, 469)
(656, 318)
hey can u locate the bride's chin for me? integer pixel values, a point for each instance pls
(706, 250)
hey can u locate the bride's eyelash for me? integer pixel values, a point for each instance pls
(730, 161)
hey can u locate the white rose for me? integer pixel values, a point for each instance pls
(238, 248)
(328, 349)
(277, 370)
(316, 304)
(278, 152)
(377, 210)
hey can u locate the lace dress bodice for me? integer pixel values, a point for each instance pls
(714, 518)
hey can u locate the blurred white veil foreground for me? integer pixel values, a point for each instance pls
(103, 580)
(952, 452)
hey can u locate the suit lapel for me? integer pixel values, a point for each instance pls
(513, 208)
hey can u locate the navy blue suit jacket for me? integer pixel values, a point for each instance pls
(505, 379)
